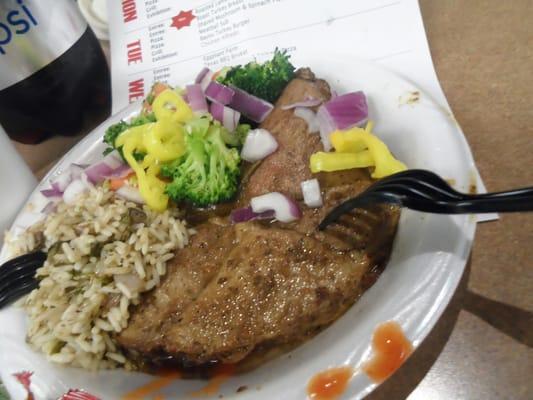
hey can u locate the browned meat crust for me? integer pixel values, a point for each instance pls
(239, 288)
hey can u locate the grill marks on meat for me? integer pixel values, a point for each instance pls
(239, 290)
(187, 276)
(276, 285)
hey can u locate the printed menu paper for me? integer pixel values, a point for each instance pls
(171, 40)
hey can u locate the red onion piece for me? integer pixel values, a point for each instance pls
(73, 190)
(217, 111)
(61, 182)
(49, 207)
(308, 102)
(285, 209)
(253, 107)
(225, 115)
(311, 193)
(308, 116)
(204, 78)
(53, 192)
(98, 171)
(77, 394)
(121, 172)
(246, 214)
(196, 98)
(258, 144)
(220, 93)
(130, 193)
(201, 74)
(341, 112)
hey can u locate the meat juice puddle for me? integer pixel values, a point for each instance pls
(390, 349)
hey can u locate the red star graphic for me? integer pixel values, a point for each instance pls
(183, 19)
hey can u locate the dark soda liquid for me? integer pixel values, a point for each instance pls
(57, 99)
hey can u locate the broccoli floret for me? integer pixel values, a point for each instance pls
(237, 137)
(208, 172)
(115, 130)
(265, 81)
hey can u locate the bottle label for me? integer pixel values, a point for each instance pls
(33, 33)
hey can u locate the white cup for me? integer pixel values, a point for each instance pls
(16, 183)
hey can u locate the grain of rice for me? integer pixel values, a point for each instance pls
(79, 306)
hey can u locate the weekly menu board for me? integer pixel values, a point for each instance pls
(164, 39)
(171, 40)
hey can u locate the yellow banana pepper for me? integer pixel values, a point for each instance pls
(170, 105)
(329, 162)
(345, 143)
(357, 148)
(162, 141)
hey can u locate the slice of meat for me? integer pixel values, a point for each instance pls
(283, 170)
(275, 285)
(187, 275)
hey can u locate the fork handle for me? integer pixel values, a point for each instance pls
(511, 201)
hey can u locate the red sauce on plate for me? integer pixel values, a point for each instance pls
(221, 374)
(152, 386)
(391, 349)
(329, 384)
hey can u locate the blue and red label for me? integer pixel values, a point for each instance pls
(16, 22)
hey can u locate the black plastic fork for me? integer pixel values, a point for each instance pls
(425, 191)
(17, 276)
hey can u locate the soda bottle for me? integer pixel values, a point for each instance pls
(53, 73)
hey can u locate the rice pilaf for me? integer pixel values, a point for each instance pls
(103, 252)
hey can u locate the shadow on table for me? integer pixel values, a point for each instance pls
(508, 319)
(406, 379)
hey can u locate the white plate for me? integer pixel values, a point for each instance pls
(427, 261)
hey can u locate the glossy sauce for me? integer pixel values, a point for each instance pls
(391, 348)
(329, 384)
(153, 386)
(221, 374)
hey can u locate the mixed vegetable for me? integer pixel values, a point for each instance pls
(187, 145)
(265, 81)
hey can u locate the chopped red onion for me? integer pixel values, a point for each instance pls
(204, 78)
(130, 193)
(220, 93)
(196, 98)
(246, 214)
(311, 193)
(341, 112)
(253, 107)
(285, 209)
(73, 190)
(100, 170)
(308, 102)
(258, 144)
(61, 182)
(76, 170)
(50, 207)
(121, 172)
(53, 192)
(227, 116)
(77, 394)
(201, 74)
(308, 116)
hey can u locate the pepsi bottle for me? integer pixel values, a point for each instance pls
(53, 73)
